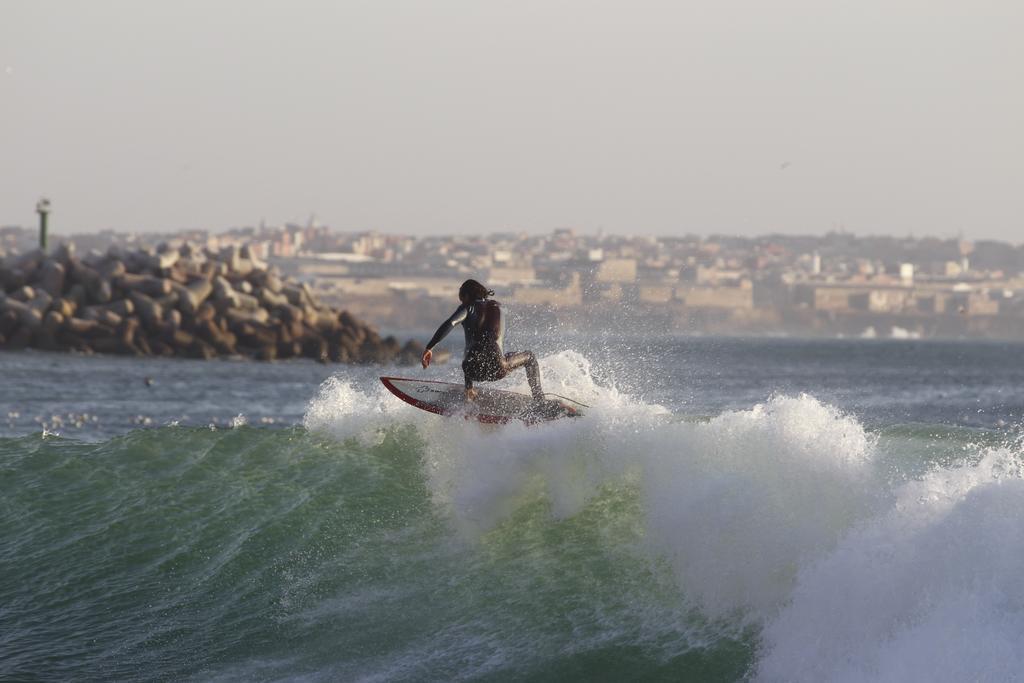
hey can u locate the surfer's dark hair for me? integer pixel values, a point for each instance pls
(471, 290)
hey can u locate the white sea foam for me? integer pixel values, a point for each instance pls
(482, 473)
(740, 502)
(737, 503)
(346, 412)
(783, 516)
(930, 589)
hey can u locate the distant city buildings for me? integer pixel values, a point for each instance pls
(832, 284)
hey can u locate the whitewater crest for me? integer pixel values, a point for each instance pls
(929, 589)
(346, 412)
(788, 517)
(737, 503)
(743, 500)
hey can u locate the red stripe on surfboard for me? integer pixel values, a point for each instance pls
(430, 407)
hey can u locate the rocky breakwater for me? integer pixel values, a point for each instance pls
(177, 301)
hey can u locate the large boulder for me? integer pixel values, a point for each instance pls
(155, 287)
(28, 317)
(51, 277)
(150, 312)
(191, 296)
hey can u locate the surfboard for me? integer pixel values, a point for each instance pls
(494, 406)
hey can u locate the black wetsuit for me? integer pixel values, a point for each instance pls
(485, 361)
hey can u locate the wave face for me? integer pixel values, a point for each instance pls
(782, 542)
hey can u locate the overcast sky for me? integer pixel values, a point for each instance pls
(894, 116)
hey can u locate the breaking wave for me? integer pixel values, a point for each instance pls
(782, 542)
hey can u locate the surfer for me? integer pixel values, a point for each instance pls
(484, 360)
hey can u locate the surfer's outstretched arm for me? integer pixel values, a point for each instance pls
(447, 326)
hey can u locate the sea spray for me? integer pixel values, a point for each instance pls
(788, 517)
(930, 589)
(346, 412)
(479, 471)
(736, 503)
(740, 502)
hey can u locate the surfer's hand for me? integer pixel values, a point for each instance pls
(427, 355)
(470, 394)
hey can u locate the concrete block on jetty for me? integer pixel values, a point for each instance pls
(177, 301)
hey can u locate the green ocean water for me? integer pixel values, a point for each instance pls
(297, 523)
(182, 553)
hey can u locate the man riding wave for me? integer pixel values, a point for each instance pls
(485, 359)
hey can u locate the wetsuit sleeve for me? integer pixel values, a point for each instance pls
(456, 318)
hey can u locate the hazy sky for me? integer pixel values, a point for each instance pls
(440, 116)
